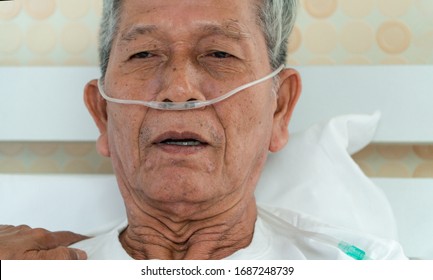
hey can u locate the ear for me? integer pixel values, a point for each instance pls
(97, 107)
(288, 95)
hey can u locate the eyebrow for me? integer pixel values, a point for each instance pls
(230, 28)
(137, 30)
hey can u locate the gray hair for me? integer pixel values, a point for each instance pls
(276, 18)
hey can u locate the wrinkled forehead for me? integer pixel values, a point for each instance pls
(149, 6)
(233, 18)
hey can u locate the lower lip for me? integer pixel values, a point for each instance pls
(178, 149)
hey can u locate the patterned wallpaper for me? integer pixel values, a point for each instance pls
(49, 32)
(363, 32)
(52, 157)
(396, 161)
(376, 160)
(63, 33)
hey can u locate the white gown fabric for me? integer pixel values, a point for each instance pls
(279, 234)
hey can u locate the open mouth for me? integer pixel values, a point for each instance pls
(183, 139)
(182, 142)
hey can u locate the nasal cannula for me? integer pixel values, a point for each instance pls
(188, 105)
(347, 248)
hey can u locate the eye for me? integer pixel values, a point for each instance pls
(220, 54)
(142, 55)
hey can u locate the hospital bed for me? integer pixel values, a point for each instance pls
(342, 107)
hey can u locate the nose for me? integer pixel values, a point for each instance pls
(181, 84)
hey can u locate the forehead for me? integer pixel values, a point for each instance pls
(235, 18)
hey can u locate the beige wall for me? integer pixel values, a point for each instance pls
(364, 32)
(376, 160)
(63, 32)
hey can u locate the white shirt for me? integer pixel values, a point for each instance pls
(279, 234)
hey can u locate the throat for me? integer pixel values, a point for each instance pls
(197, 240)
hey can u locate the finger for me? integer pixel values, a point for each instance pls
(59, 253)
(81, 255)
(49, 240)
(66, 238)
(8, 229)
(2, 227)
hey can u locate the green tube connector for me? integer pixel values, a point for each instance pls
(352, 251)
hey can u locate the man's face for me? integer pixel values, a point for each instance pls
(179, 50)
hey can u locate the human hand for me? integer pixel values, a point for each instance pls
(24, 243)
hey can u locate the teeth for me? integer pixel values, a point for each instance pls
(182, 143)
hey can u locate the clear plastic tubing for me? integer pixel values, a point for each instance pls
(188, 105)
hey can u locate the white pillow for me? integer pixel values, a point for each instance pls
(316, 175)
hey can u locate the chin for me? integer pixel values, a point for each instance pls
(178, 190)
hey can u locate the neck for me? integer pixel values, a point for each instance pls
(161, 236)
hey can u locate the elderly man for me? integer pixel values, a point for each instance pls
(188, 176)
(188, 143)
